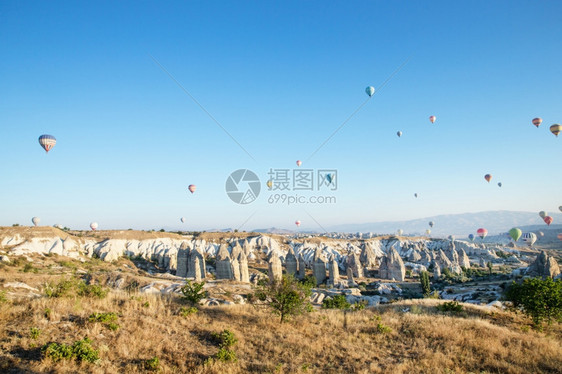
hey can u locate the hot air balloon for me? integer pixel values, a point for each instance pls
(560, 207)
(35, 221)
(560, 236)
(298, 223)
(451, 238)
(416, 195)
(499, 184)
(370, 91)
(399, 133)
(432, 119)
(537, 121)
(471, 237)
(543, 214)
(555, 129)
(541, 233)
(431, 223)
(269, 183)
(548, 220)
(47, 142)
(94, 226)
(515, 234)
(488, 177)
(192, 188)
(428, 231)
(529, 238)
(182, 219)
(400, 231)
(299, 162)
(482, 233)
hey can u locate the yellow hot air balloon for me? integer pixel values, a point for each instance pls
(555, 129)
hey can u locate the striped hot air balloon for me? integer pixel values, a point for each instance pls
(192, 188)
(298, 223)
(370, 91)
(482, 233)
(555, 129)
(548, 220)
(488, 177)
(94, 226)
(537, 121)
(529, 237)
(35, 221)
(432, 119)
(47, 142)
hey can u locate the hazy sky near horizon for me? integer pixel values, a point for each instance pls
(280, 77)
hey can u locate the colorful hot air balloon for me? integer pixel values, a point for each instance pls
(555, 129)
(182, 219)
(399, 133)
(370, 91)
(192, 188)
(560, 236)
(537, 121)
(35, 221)
(94, 226)
(432, 119)
(482, 233)
(298, 223)
(47, 142)
(488, 177)
(471, 237)
(431, 223)
(548, 220)
(400, 231)
(529, 237)
(428, 231)
(543, 214)
(499, 184)
(515, 234)
(299, 162)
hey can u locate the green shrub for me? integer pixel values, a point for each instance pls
(80, 350)
(92, 290)
(60, 289)
(29, 268)
(34, 333)
(226, 355)
(113, 326)
(3, 298)
(47, 312)
(225, 339)
(540, 299)
(336, 302)
(450, 306)
(425, 283)
(383, 329)
(309, 281)
(152, 363)
(193, 292)
(103, 317)
(360, 305)
(186, 312)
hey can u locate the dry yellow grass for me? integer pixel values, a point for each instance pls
(325, 341)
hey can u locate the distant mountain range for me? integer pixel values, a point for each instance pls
(496, 222)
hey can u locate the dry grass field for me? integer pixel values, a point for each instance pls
(410, 336)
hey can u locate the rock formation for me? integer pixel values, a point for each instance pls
(183, 257)
(302, 267)
(319, 267)
(544, 266)
(275, 270)
(334, 272)
(196, 264)
(463, 259)
(223, 263)
(368, 258)
(243, 264)
(291, 263)
(392, 267)
(354, 263)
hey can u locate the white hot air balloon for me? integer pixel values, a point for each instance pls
(530, 238)
(36, 220)
(94, 226)
(182, 219)
(400, 232)
(370, 91)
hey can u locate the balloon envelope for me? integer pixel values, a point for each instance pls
(537, 121)
(555, 129)
(94, 226)
(415, 195)
(182, 219)
(298, 223)
(451, 238)
(515, 234)
(548, 220)
(541, 233)
(560, 236)
(482, 233)
(560, 207)
(299, 162)
(431, 223)
(432, 119)
(529, 237)
(370, 91)
(428, 231)
(47, 142)
(35, 220)
(471, 237)
(192, 188)
(399, 133)
(400, 231)
(499, 184)
(488, 177)
(543, 214)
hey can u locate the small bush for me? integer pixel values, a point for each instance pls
(193, 292)
(186, 312)
(360, 305)
(29, 268)
(226, 355)
(383, 329)
(152, 363)
(450, 306)
(336, 302)
(3, 298)
(47, 313)
(225, 339)
(103, 317)
(309, 281)
(92, 290)
(60, 289)
(80, 350)
(34, 333)
(113, 326)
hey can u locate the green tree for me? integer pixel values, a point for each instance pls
(425, 284)
(539, 298)
(285, 298)
(193, 292)
(490, 267)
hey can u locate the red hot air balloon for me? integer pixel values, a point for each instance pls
(488, 177)
(537, 121)
(298, 223)
(299, 162)
(192, 188)
(432, 119)
(482, 233)
(560, 236)
(548, 220)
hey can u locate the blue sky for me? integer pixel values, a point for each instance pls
(280, 76)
